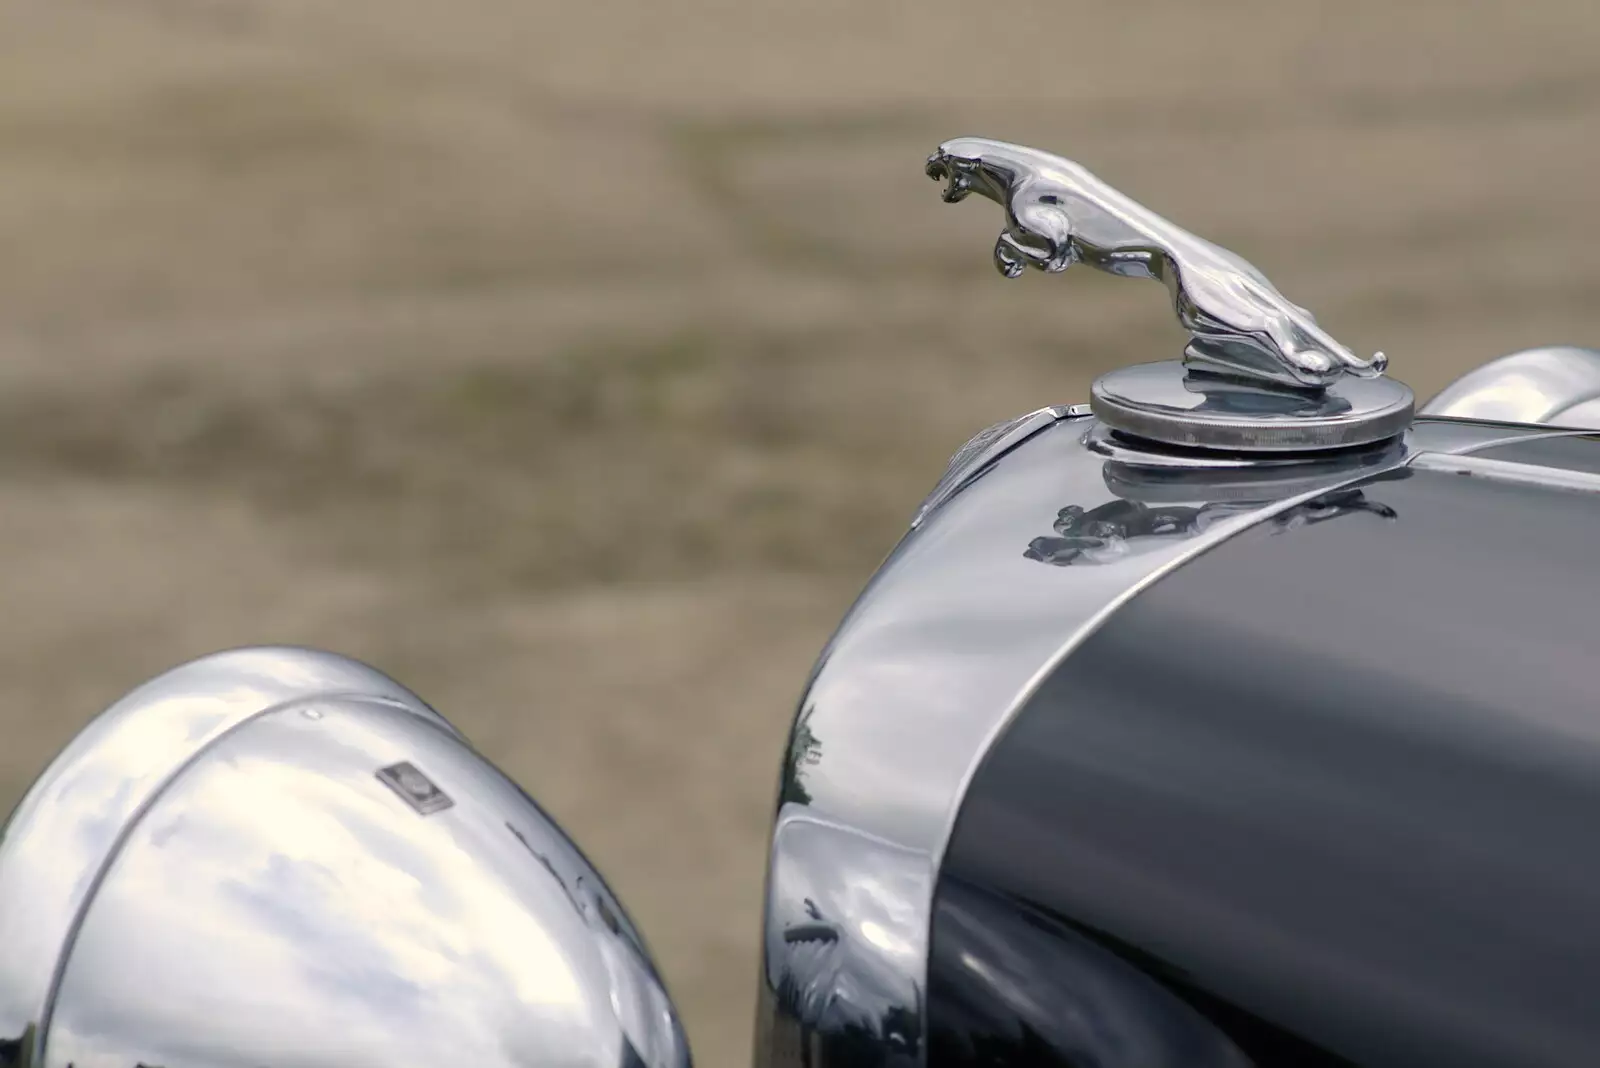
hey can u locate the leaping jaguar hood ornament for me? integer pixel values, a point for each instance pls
(1058, 213)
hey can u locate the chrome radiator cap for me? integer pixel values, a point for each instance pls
(280, 856)
(1258, 375)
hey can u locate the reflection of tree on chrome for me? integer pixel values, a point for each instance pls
(805, 751)
(1110, 531)
(15, 1051)
(842, 957)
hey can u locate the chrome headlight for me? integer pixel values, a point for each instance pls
(279, 856)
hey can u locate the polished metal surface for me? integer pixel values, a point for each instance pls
(1105, 442)
(279, 856)
(1557, 385)
(1159, 401)
(987, 446)
(949, 636)
(974, 607)
(1010, 985)
(1485, 467)
(70, 819)
(1258, 373)
(1332, 786)
(1059, 214)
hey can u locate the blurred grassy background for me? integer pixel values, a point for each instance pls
(576, 363)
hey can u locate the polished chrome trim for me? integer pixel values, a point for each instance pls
(1213, 536)
(942, 649)
(987, 446)
(1522, 434)
(1462, 436)
(1508, 471)
(1556, 385)
(1104, 441)
(926, 670)
(1160, 402)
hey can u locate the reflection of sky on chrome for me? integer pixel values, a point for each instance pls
(950, 633)
(61, 833)
(870, 890)
(1511, 397)
(280, 899)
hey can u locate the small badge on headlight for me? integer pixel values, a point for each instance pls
(415, 788)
